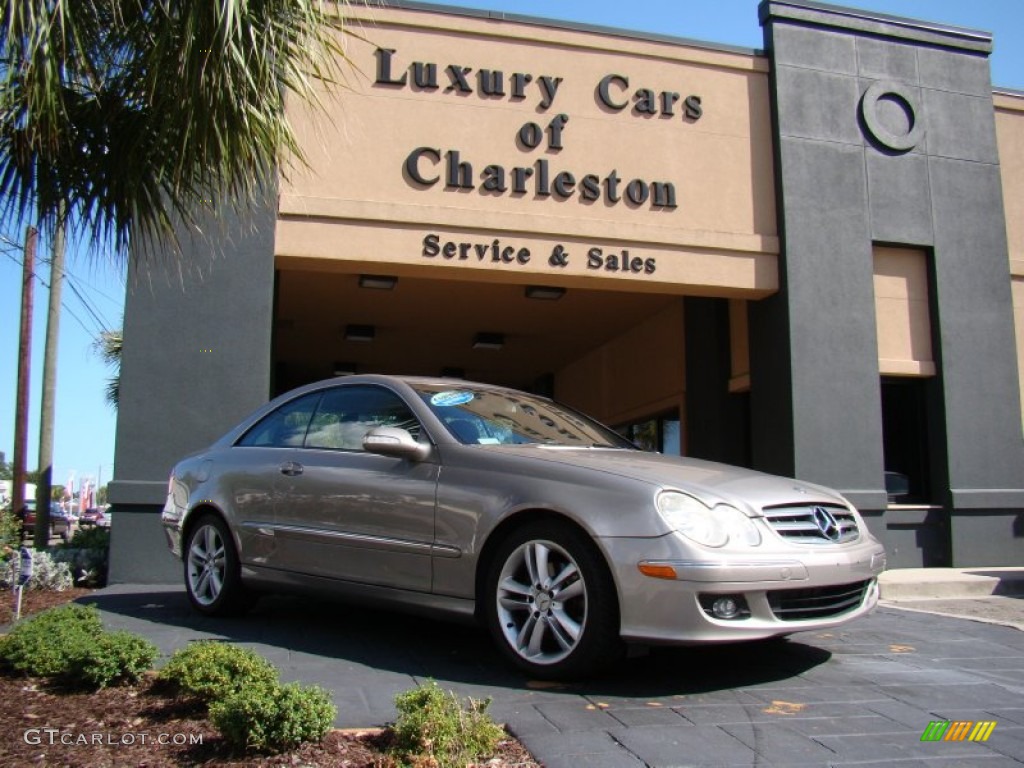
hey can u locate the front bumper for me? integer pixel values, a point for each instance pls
(780, 592)
(170, 520)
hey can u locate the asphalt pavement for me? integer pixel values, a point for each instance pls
(861, 695)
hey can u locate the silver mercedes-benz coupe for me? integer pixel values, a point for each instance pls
(563, 538)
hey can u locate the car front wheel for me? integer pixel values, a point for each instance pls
(551, 603)
(212, 577)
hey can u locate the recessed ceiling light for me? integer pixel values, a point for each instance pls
(345, 369)
(378, 282)
(544, 292)
(489, 341)
(360, 332)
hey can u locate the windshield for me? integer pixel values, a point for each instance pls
(476, 415)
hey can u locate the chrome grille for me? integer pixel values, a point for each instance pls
(813, 523)
(816, 602)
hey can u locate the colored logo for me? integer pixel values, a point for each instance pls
(448, 399)
(958, 730)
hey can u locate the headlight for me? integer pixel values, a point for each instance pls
(711, 527)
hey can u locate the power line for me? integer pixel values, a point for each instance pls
(103, 324)
(45, 283)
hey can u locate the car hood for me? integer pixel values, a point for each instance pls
(712, 482)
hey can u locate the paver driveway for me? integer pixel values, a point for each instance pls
(862, 695)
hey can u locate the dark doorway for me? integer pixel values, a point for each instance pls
(905, 437)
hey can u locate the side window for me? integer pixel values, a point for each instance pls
(346, 414)
(285, 427)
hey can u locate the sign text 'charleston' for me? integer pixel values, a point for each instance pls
(427, 166)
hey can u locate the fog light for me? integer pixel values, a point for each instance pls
(725, 608)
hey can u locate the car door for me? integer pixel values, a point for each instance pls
(256, 471)
(352, 515)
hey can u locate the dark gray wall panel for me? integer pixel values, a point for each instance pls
(886, 60)
(852, 21)
(987, 537)
(138, 549)
(846, 182)
(913, 538)
(814, 49)
(955, 71)
(771, 385)
(833, 350)
(196, 359)
(977, 342)
(716, 420)
(818, 105)
(901, 200)
(961, 127)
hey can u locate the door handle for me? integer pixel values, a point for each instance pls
(291, 468)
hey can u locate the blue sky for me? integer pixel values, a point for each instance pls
(85, 424)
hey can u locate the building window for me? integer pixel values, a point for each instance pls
(905, 440)
(661, 434)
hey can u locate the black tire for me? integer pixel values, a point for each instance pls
(564, 623)
(213, 578)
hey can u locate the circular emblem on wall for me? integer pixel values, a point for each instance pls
(890, 117)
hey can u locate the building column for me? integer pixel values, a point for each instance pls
(884, 135)
(196, 359)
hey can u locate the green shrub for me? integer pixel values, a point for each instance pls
(69, 644)
(42, 646)
(434, 726)
(211, 671)
(95, 537)
(112, 658)
(87, 555)
(47, 574)
(88, 567)
(10, 530)
(273, 717)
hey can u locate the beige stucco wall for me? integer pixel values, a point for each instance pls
(1010, 136)
(902, 315)
(638, 373)
(355, 207)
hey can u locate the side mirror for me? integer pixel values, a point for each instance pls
(395, 442)
(897, 486)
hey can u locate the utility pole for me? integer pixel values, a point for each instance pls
(46, 407)
(24, 366)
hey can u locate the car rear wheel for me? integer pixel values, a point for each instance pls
(212, 577)
(551, 604)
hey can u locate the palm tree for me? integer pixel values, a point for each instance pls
(108, 345)
(118, 117)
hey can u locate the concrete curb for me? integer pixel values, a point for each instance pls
(961, 610)
(950, 583)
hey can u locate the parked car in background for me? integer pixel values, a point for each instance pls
(94, 516)
(560, 536)
(62, 523)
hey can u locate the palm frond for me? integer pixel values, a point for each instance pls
(109, 346)
(138, 113)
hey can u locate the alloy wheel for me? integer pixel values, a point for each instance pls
(542, 602)
(207, 565)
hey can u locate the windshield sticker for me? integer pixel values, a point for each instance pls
(448, 399)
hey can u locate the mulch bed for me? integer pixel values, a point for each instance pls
(142, 725)
(42, 725)
(36, 600)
